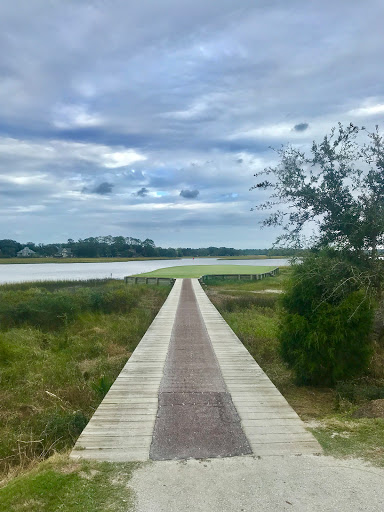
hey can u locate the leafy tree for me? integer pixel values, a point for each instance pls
(338, 188)
(326, 320)
(9, 248)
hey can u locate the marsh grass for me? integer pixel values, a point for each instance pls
(255, 320)
(57, 285)
(60, 350)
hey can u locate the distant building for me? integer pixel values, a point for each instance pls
(64, 253)
(26, 253)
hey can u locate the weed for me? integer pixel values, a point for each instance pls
(102, 386)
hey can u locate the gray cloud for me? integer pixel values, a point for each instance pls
(101, 189)
(189, 194)
(142, 192)
(225, 90)
(300, 127)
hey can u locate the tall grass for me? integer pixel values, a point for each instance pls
(60, 350)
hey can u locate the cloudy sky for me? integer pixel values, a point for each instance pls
(149, 118)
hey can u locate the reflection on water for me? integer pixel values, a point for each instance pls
(63, 271)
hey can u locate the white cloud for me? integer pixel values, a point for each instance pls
(75, 116)
(368, 110)
(28, 209)
(56, 151)
(270, 131)
(24, 180)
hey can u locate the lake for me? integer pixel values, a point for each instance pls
(118, 270)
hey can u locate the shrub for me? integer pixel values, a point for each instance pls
(325, 324)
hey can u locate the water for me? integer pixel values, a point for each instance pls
(118, 270)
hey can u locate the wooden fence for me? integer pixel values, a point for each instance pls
(203, 279)
(149, 280)
(243, 277)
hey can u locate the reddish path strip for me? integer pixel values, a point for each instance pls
(196, 417)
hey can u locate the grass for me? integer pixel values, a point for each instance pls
(328, 412)
(13, 261)
(60, 484)
(60, 350)
(194, 271)
(253, 257)
(342, 436)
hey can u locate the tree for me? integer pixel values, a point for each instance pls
(9, 248)
(328, 307)
(338, 187)
(326, 320)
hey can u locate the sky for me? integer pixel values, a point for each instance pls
(149, 119)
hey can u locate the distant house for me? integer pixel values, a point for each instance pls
(26, 253)
(64, 253)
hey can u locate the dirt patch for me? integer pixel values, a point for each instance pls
(268, 290)
(70, 468)
(373, 409)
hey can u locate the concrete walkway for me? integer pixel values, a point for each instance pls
(251, 484)
(192, 390)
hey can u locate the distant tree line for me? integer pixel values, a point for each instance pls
(128, 247)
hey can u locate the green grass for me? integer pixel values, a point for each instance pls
(61, 484)
(12, 261)
(254, 317)
(60, 350)
(342, 436)
(194, 271)
(253, 257)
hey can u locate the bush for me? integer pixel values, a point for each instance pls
(325, 324)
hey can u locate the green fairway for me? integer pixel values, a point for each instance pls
(204, 270)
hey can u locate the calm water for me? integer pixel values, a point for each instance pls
(68, 271)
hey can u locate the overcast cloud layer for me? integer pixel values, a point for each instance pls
(149, 119)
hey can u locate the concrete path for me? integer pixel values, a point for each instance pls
(192, 390)
(250, 484)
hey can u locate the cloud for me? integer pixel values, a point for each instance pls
(368, 110)
(189, 194)
(75, 116)
(300, 127)
(110, 157)
(204, 109)
(101, 189)
(142, 192)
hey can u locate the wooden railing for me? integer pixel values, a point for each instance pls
(203, 279)
(243, 277)
(149, 280)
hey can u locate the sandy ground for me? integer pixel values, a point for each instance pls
(248, 484)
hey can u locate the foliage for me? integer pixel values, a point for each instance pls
(338, 188)
(326, 321)
(125, 247)
(102, 385)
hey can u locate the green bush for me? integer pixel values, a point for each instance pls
(359, 391)
(325, 324)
